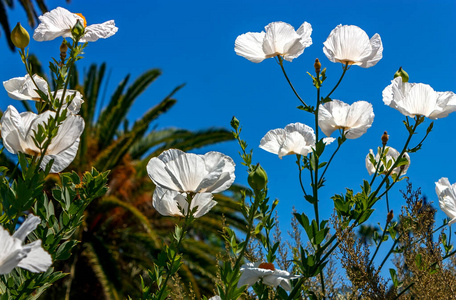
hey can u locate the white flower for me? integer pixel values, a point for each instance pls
(59, 22)
(390, 156)
(23, 88)
(296, 138)
(18, 132)
(252, 272)
(353, 119)
(350, 44)
(215, 298)
(413, 99)
(13, 252)
(447, 198)
(279, 39)
(177, 174)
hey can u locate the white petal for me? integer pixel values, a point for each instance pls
(223, 166)
(248, 277)
(61, 160)
(282, 39)
(250, 46)
(304, 31)
(23, 88)
(204, 203)
(189, 170)
(99, 31)
(75, 104)
(159, 175)
(11, 252)
(165, 203)
(58, 22)
(37, 259)
(13, 130)
(377, 52)
(30, 224)
(273, 140)
(69, 131)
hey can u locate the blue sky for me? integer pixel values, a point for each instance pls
(192, 42)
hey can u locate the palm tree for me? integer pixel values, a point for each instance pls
(122, 233)
(30, 10)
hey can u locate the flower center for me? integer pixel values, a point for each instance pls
(267, 266)
(83, 18)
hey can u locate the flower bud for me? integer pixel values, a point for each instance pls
(20, 36)
(257, 178)
(403, 74)
(234, 123)
(317, 66)
(78, 30)
(385, 138)
(390, 216)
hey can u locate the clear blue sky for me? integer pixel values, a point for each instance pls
(192, 42)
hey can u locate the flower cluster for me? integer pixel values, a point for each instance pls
(19, 130)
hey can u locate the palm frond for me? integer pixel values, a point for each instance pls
(120, 104)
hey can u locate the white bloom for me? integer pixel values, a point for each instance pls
(59, 22)
(390, 157)
(350, 44)
(13, 252)
(353, 119)
(279, 39)
(296, 138)
(413, 99)
(215, 298)
(23, 88)
(176, 174)
(252, 272)
(447, 198)
(18, 132)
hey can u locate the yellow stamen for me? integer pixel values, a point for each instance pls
(85, 22)
(267, 266)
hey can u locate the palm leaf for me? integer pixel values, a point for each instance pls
(120, 104)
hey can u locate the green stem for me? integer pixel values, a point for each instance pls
(340, 80)
(382, 151)
(280, 62)
(298, 162)
(188, 215)
(379, 244)
(329, 162)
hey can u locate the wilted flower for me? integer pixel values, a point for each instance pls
(252, 272)
(178, 174)
(23, 88)
(413, 99)
(390, 157)
(296, 138)
(13, 252)
(18, 132)
(353, 119)
(349, 44)
(447, 198)
(59, 22)
(279, 39)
